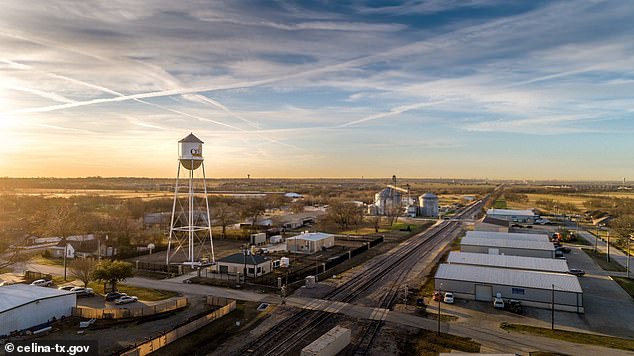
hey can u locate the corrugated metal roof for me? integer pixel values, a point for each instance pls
(510, 212)
(505, 261)
(522, 244)
(509, 277)
(16, 295)
(311, 236)
(508, 235)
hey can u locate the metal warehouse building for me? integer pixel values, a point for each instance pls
(532, 288)
(512, 247)
(510, 262)
(508, 235)
(523, 216)
(23, 306)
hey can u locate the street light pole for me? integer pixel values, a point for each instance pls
(596, 239)
(629, 237)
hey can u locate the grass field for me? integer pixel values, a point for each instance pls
(600, 258)
(626, 283)
(572, 336)
(576, 200)
(430, 343)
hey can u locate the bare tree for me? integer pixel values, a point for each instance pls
(345, 214)
(376, 222)
(253, 209)
(82, 269)
(392, 212)
(225, 214)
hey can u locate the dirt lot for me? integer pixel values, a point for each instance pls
(222, 248)
(115, 335)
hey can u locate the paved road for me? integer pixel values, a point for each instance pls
(615, 254)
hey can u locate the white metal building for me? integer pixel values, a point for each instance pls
(508, 235)
(310, 242)
(23, 306)
(522, 216)
(510, 262)
(512, 247)
(531, 288)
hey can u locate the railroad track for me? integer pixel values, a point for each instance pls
(283, 338)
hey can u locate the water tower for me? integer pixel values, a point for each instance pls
(190, 239)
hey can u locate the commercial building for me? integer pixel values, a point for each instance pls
(508, 236)
(255, 265)
(489, 223)
(521, 216)
(531, 288)
(23, 306)
(509, 262)
(527, 248)
(310, 242)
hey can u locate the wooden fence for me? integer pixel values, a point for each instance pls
(133, 312)
(180, 331)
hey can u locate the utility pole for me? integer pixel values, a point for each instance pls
(596, 239)
(608, 255)
(65, 252)
(439, 308)
(629, 237)
(552, 311)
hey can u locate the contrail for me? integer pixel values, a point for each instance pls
(394, 111)
(204, 99)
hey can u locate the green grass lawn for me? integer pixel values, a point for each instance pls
(626, 283)
(572, 336)
(600, 258)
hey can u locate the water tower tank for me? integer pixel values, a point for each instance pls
(191, 152)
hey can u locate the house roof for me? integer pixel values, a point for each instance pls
(510, 277)
(17, 295)
(191, 138)
(241, 259)
(81, 246)
(505, 261)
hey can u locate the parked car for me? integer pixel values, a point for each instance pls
(437, 296)
(498, 303)
(5, 283)
(577, 272)
(83, 292)
(114, 296)
(42, 283)
(563, 249)
(126, 299)
(68, 288)
(420, 303)
(448, 298)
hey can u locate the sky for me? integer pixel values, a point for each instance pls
(425, 89)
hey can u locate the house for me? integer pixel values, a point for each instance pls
(255, 265)
(310, 242)
(82, 249)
